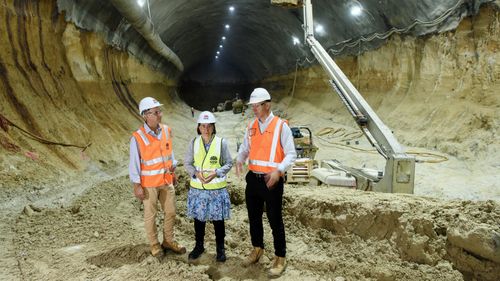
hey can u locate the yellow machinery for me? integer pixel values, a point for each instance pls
(300, 171)
(237, 106)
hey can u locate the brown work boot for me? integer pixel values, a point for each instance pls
(254, 256)
(157, 251)
(278, 266)
(174, 247)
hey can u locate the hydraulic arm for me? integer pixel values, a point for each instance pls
(399, 173)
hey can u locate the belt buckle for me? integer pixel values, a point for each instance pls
(259, 176)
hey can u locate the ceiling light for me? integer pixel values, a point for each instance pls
(295, 40)
(216, 57)
(231, 9)
(319, 29)
(220, 46)
(141, 2)
(218, 53)
(227, 26)
(356, 10)
(223, 37)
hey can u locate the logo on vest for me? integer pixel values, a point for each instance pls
(213, 160)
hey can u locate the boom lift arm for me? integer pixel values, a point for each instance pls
(399, 174)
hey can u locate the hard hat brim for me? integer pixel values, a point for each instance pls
(150, 108)
(210, 118)
(257, 101)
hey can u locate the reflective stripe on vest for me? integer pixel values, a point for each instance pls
(207, 161)
(266, 153)
(155, 172)
(156, 160)
(156, 157)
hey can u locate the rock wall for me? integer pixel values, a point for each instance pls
(64, 85)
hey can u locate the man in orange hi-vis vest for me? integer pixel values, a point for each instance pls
(151, 170)
(268, 146)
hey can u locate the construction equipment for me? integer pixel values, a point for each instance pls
(399, 173)
(300, 171)
(237, 106)
(228, 105)
(333, 177)
(287, 3)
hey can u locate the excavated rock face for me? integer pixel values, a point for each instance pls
(259, 41)
(66, 86)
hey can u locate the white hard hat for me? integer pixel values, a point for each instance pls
(206, 117)
(148, 103)
(259, 95)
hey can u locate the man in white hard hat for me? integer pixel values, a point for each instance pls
(268, 146)
(151, 170)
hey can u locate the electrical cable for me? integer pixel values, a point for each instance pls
(385, 35)
(294, 83)
(6, 122)
(350, 43)
(149, 10)
(150, 18)
(438, 158)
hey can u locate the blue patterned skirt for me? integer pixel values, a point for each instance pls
(208, 205)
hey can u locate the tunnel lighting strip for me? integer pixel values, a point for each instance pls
(226, 27)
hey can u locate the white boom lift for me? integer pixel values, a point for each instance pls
(399, 174)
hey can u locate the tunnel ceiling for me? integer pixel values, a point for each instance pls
(259, 40)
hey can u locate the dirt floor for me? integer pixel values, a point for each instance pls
(93, 229)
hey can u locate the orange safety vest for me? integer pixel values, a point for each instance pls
(156, 157)
(266, 152)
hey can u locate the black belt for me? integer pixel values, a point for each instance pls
(259, 176)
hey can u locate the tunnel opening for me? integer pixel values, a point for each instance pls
(210, 83)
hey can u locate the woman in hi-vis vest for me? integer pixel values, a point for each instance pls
(207, 162)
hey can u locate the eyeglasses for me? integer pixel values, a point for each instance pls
(156, 112)
(258, 104)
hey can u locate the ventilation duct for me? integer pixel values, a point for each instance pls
(138, 19)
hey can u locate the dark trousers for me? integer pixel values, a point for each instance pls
(220, 232)
(256, 194)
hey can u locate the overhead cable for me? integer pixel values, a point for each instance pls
(349, 43)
